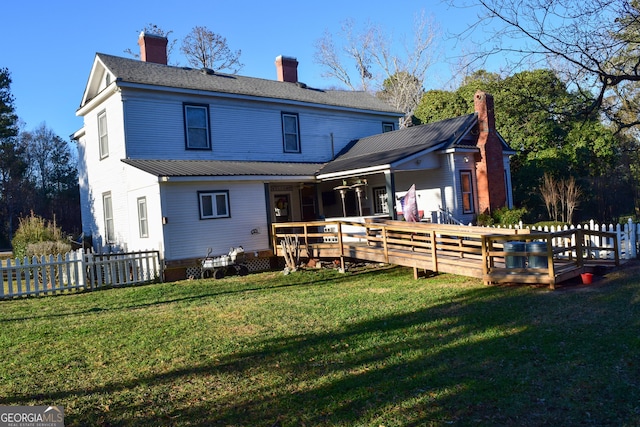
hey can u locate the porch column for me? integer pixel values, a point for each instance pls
(389, 179)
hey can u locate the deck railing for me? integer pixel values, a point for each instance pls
(488, 253)
(550, 257)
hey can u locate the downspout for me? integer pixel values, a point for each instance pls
(333, 153)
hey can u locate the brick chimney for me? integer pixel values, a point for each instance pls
(153, 48)
(287, 69)
(490, 174)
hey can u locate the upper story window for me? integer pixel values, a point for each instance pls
(387, 127)
(291, 132)
(466, 188)
(214, 204)
(103, 135)
(196, 123)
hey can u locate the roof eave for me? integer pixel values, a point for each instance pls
(352, 172)
(245, 97)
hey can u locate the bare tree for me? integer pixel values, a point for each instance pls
(357, 48)
(561, 197)
(594, 44)
(572, 198)
(550, 196)
(205, 49)
(367, 61)
(158, 31)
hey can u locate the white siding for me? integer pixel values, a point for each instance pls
(104, 175)
(141, 184)
(86, 203)
(434, 188)
(187, 236)
(240, 130)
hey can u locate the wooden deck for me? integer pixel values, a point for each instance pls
(494, 255)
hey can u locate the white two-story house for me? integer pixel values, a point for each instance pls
(182, 160)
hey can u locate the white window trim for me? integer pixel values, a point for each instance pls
(297, 134)
(143, 222)
(103, 135)
(202, 195)
(379, 206)
(186, 107)
(107, 210)
(464, 175)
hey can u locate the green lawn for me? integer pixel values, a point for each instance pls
(313, 348)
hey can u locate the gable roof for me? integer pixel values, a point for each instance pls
(128, 71)
(390, 147)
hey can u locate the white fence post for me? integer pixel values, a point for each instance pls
(627, 236)
(76, 270)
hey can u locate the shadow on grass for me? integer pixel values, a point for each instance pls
(218, 288)
(487, 356)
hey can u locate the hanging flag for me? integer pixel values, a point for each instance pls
(410, 205)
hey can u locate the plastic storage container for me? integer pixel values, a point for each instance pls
(535, 260)
(514, 261)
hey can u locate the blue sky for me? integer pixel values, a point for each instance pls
(49, 46)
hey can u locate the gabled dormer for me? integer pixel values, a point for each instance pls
(100, 78)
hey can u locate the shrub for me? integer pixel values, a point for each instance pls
(48, 248)
(484, 219)
(506, 216)
(625, 218)
(34, 229)
(502, 216)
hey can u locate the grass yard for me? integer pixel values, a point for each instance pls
(320, 348)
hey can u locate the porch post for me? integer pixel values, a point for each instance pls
(389, 179)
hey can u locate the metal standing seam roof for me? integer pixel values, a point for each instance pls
(186, 168)
(127, 70)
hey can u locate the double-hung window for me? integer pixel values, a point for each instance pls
(466, 188)
(214, 204)
(196, 123)
(103, 135)
(107, 207)
(143, 223)
(291, 132)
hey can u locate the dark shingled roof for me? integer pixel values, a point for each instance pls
(178, 168)
(390, 147)
(148, 73)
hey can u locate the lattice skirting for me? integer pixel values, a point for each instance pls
(255, 264)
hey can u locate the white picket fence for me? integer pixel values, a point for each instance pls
(49, 275)
(626, 234)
